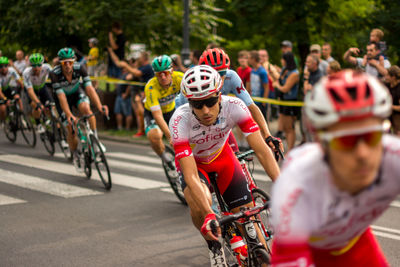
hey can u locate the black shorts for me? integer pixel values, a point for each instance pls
(231, 180)
(44, 95)
(289, 111)
(76, 98)
(10, 92)
(150, 122)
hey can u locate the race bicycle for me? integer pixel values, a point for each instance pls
(90, 151)
(251, 252)
(173, 175)
(17, 120)
(55, 131)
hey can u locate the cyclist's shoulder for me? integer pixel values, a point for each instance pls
(152, 84)
(47, 67)
(57, 70)
(27, 71)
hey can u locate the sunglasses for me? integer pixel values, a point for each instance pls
(209, 102)
(36, 65)
(222, 73)
(165, 72)
(65, 62)
(347, 140)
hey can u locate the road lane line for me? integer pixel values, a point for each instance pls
(45, 186)
(381, 228)
(6, 200)
(68, 169)
(141, 158)
(386, 235)
(395, 204)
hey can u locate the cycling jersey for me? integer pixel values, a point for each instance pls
(36, 81)
(232, 85)
(308, 209)
(5, 80)
(205, 142)
(159, 98)
(62, 86)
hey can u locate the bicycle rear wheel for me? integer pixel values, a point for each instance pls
(48, 137)
(259, 198)
(27, 130)
(10, 128)
(100, 162)
(173, 176)
(61, 137)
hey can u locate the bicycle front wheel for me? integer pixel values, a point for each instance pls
(100, 162)
(27, 130)
(261, 256)
(61, 137)
(10, 128)
(173, 176)
(259, 198)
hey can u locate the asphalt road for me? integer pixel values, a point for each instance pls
(52, 216)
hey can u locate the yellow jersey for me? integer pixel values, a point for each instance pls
(160, 98)
(94, 54)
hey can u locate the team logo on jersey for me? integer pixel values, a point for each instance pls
(175, 127)
(196, 127)
(241, 88)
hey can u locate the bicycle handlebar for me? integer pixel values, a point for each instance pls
(242, 214)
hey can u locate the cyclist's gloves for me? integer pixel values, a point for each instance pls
(276, 142)
(210, 224)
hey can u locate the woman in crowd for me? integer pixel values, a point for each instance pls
(288, 85)
(393, 83)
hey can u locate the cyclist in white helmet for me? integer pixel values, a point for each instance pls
(329, 192)
(199, 131)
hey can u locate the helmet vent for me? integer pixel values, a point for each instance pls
(352, 92)
(335, 96)
(367, 91)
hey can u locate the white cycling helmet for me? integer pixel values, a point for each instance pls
(345, 96)
(200, 81)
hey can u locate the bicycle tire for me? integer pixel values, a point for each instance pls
(261, 256)
(87, 162)
(62, 135)
(261, 197)
(48, 138)
(10, 128)
(173, 177)
(27, 129)
(100, 162)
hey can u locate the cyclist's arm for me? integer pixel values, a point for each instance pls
(264, 154)
(2, 95)
(32, 95)
(29, 87)
(259, 119)
(158, 117)
(89, 89)
(62, 98)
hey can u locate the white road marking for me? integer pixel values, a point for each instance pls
(381, 228)
(395, 204)
(68, 169)
(386, 235)
(6, 200)
(45, 186)
(141, 158)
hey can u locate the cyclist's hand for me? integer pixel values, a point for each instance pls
(71, 119)
(210, 229)
(104, 110)
(274, 143)
(39, 106)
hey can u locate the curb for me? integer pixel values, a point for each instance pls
(123, 139)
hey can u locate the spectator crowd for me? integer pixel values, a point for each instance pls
(286, 81)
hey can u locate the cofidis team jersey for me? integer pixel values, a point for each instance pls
(205, 143)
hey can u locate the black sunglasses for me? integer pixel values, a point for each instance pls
(209, 102)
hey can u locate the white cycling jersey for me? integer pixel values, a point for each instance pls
(206, 142)
(6, 79)
(36, 81)
(306, 205)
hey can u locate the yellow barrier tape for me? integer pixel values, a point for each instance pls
(115, 81)
(276, 102)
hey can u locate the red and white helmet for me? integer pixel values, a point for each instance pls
(200, 81)
(345, 96)
(216, 58)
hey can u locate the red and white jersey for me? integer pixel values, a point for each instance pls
(206, 142)
(307, 207)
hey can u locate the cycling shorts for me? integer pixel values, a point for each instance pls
(77, 98)
(43, 94)
(10, 92)
(364, 252)
(231, 181)
(150, 122)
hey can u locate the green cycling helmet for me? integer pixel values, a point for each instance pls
(66, 53)
(36, 59)
(4, 60)
(161, 63)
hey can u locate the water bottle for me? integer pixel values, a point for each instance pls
(239, 247)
